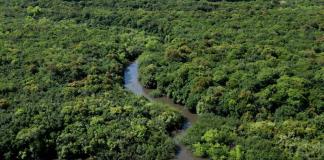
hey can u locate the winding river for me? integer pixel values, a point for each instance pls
(132, 83)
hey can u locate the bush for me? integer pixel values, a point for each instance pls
(156, 93)
(4, 104)
(34, 11)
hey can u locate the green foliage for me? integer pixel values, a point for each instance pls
(61, 94)
(258, 63)
(156, 93)
(256, 52)
(4, 104)
(34, 11)
(223, 138)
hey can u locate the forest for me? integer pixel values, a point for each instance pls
(252, 70)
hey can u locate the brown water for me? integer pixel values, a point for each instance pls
(132, 83)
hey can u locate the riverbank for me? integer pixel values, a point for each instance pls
(131, 80)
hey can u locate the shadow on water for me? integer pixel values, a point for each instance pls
(131, 82)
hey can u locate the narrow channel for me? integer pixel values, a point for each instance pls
(132, 83)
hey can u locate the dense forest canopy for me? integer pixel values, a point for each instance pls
(61, 89)
(259, 63)
(252, 69)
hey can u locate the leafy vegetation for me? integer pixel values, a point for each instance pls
(259, 63)
(61, 92)
(231, 138)
(252, 69)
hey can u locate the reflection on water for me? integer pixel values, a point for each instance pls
(131, 79)
(132, 83)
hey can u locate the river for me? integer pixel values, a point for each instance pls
(131, 81)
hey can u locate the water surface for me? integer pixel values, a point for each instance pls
(132, 84)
